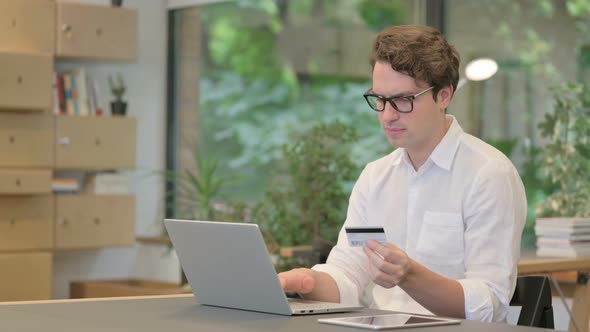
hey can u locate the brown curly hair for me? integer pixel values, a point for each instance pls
(419, 51)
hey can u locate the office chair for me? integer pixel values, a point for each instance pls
(533, 293)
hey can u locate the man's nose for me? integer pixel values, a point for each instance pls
(389, 113)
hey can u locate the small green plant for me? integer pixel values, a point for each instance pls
(306, 204)
(198, 192)
(117, 87)
(566, 156)
(197, 195)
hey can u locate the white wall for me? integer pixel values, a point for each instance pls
(146, 85)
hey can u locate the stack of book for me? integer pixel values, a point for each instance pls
(563, 237)
(65, 185)
(76, 93)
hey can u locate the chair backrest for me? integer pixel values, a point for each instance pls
(533, 293)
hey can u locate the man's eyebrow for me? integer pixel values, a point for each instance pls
(400, 94)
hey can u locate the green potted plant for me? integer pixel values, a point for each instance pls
(566, 162)
(198, 195)
(306, 204)
(118, 106)
(198, 192)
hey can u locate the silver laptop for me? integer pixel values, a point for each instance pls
(227, 265)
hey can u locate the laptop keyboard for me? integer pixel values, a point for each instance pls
(297, 304)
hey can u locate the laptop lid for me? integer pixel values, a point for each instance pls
(227, 265)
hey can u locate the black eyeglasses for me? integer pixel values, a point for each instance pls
(402, 104)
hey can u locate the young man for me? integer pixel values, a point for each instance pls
(453, 207)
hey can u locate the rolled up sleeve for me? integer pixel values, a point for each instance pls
(348, 292)
(478, 300)
(347, 266)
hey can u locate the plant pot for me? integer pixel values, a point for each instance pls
(116, 3)
(118, 107)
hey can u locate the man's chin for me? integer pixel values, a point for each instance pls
(395, 142)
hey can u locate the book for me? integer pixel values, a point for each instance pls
(60, 93)
(55, 91)
(568, 237)
(561, 243)
(74, 93)
(563, 222)
(567, 230)
(563, 252)
(97, 97)
(83, 103)
(92, 103)
(69, 102)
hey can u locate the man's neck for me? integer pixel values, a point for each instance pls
(419, 157)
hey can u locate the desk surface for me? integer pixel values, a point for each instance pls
(530, 263)
(178, 314)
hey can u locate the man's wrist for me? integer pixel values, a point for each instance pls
(410, 273)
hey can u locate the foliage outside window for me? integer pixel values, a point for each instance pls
(566, 157)
(286, 135)
(254, 101)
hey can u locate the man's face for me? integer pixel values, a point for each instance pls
(414, 131)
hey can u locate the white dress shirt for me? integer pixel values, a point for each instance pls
(461, 215)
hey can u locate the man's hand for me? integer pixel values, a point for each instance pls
(312, 284)
(388, 265)
(301, 281)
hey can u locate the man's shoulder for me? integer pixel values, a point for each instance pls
(484, 162)
(475, 149)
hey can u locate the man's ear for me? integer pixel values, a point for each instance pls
(444, 96)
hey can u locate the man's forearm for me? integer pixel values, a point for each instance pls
(440, 295)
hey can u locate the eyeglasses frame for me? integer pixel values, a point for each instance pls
(391, 102)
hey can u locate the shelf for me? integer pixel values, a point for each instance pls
(154, 240)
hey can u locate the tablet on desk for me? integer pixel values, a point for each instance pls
(389, 321)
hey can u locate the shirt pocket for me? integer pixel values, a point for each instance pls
(441, 238)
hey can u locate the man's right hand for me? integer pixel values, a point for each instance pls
(301, 281)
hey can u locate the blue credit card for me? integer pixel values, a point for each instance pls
(359, 235)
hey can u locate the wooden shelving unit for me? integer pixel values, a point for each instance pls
(34, 222)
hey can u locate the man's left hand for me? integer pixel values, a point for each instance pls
(388, 265)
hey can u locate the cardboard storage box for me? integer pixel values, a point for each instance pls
(94, 221)
(25, 276)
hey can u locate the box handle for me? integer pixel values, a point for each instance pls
(63, 222)
(64, 141)
(67, 30)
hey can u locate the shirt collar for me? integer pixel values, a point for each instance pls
(402, 156)
(445, 151)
